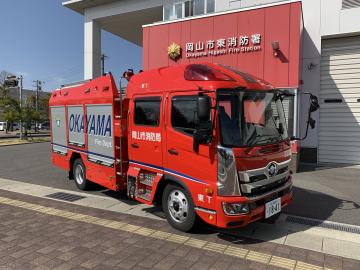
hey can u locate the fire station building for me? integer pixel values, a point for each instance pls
(298, 46)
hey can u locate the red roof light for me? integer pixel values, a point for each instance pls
(198, 72)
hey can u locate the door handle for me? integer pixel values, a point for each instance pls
(173, 151)
(134, 145)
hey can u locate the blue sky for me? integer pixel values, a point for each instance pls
(42, 40)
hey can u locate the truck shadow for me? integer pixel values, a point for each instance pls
(306, 203)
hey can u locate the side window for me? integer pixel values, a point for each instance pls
(147, 112)
(183, 114)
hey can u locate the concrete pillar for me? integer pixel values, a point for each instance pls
(92, 49)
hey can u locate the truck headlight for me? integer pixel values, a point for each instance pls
(233, 209)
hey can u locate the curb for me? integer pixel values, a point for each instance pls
(16, 136)
(22, 143)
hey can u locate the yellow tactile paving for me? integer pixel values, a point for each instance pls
(282, 262)
(258, 257)
(236, 251)
(178, 238)
(160, 235)
(195, 243)
(144, 231)
(215, 247)
(189, 241)
(306, 266)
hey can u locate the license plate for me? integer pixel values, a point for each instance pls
(273, 207)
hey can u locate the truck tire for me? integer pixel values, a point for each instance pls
(79, 172)
(178, 207)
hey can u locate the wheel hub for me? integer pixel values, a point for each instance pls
(79, 174)
(178, 206)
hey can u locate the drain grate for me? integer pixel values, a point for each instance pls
(324, 224)
(65, 196)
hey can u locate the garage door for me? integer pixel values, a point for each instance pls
(339, 134)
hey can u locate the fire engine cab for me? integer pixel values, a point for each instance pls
(204, 140)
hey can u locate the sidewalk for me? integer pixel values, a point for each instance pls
(289, 235)
(39, 233)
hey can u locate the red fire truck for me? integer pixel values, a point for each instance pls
(204, 140)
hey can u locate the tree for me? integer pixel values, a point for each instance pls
(11, 110)
(4, 91)
(28, 116)
(44, 107)
(27, 113)
(42, 115)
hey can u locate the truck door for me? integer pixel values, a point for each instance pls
(195, 169)
(145, 131)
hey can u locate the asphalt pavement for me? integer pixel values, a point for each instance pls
(324, 193)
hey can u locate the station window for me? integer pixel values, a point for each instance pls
(188, 8)
(147, 112)
(183, 114)
(199, 7)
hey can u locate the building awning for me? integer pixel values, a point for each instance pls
(118, 23)
(80, 5)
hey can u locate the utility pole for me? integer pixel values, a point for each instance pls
(38, 88)
(103, 57)
(20, 103)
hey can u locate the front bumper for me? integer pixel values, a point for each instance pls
(256, 206)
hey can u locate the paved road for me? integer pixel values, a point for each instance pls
(327, 194)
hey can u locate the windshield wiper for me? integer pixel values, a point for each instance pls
(270, 139)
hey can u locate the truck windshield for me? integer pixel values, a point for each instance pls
(250, 118)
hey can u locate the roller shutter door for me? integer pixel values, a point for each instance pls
(339, 133)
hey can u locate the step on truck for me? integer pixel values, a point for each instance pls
(203, 140)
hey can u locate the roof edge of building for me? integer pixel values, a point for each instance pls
(223, 12)
(80, 6)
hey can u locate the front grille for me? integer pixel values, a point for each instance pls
(283, 170)
(265, 188)
(256, 178)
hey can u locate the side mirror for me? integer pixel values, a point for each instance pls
(314, 106)
(202, 133)
(203, 108)
(281, 128)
